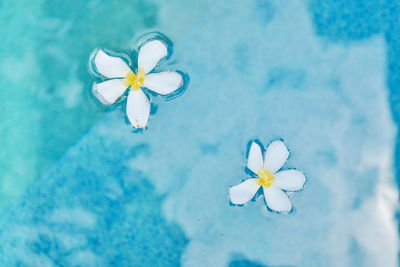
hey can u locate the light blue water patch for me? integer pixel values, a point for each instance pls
(279, 79)
(327, 121)
(345, 21)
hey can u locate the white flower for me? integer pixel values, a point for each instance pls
(272, 181)
(121, 77)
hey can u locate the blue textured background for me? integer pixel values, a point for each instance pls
(321, 75)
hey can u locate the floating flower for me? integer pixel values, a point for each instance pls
(121, 77)
(269, 178)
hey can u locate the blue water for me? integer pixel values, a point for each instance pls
(320, 75)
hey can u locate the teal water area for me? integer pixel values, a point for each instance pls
(44, 77)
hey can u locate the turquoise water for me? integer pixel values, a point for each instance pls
(45, 79)
(80, 189)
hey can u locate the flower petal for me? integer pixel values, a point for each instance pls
(110, 67)
(163, 83)
(150, 54)
(255, 158)
(138, 108)
(275, 156)
(109, 91)
(276, 199)
(290, 180)
(244, 191)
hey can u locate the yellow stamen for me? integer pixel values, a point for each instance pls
(266, 178)
(135, 81)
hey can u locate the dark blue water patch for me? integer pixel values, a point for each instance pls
(91, 211)
(206, 148)
(239, 260)
(392, 35)
(244, 263)
(342, 20)
(288, 77)
(264, 11)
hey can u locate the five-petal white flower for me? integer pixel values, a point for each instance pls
(272, 181)
(121, 77)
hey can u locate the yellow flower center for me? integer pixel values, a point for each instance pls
(135, 81)
(266, 178)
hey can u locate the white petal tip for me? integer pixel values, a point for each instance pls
(151, 53)
(98, 96)
(243, 192)
(275, 156)
(109, 66)
(138, 109)
(234, 199)
(303, 181)
(163, 83)
(108, 92)
(290, 180)
(99, 51)
(255, 157)
(285, 210)
(277, 200)
(138, 126)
